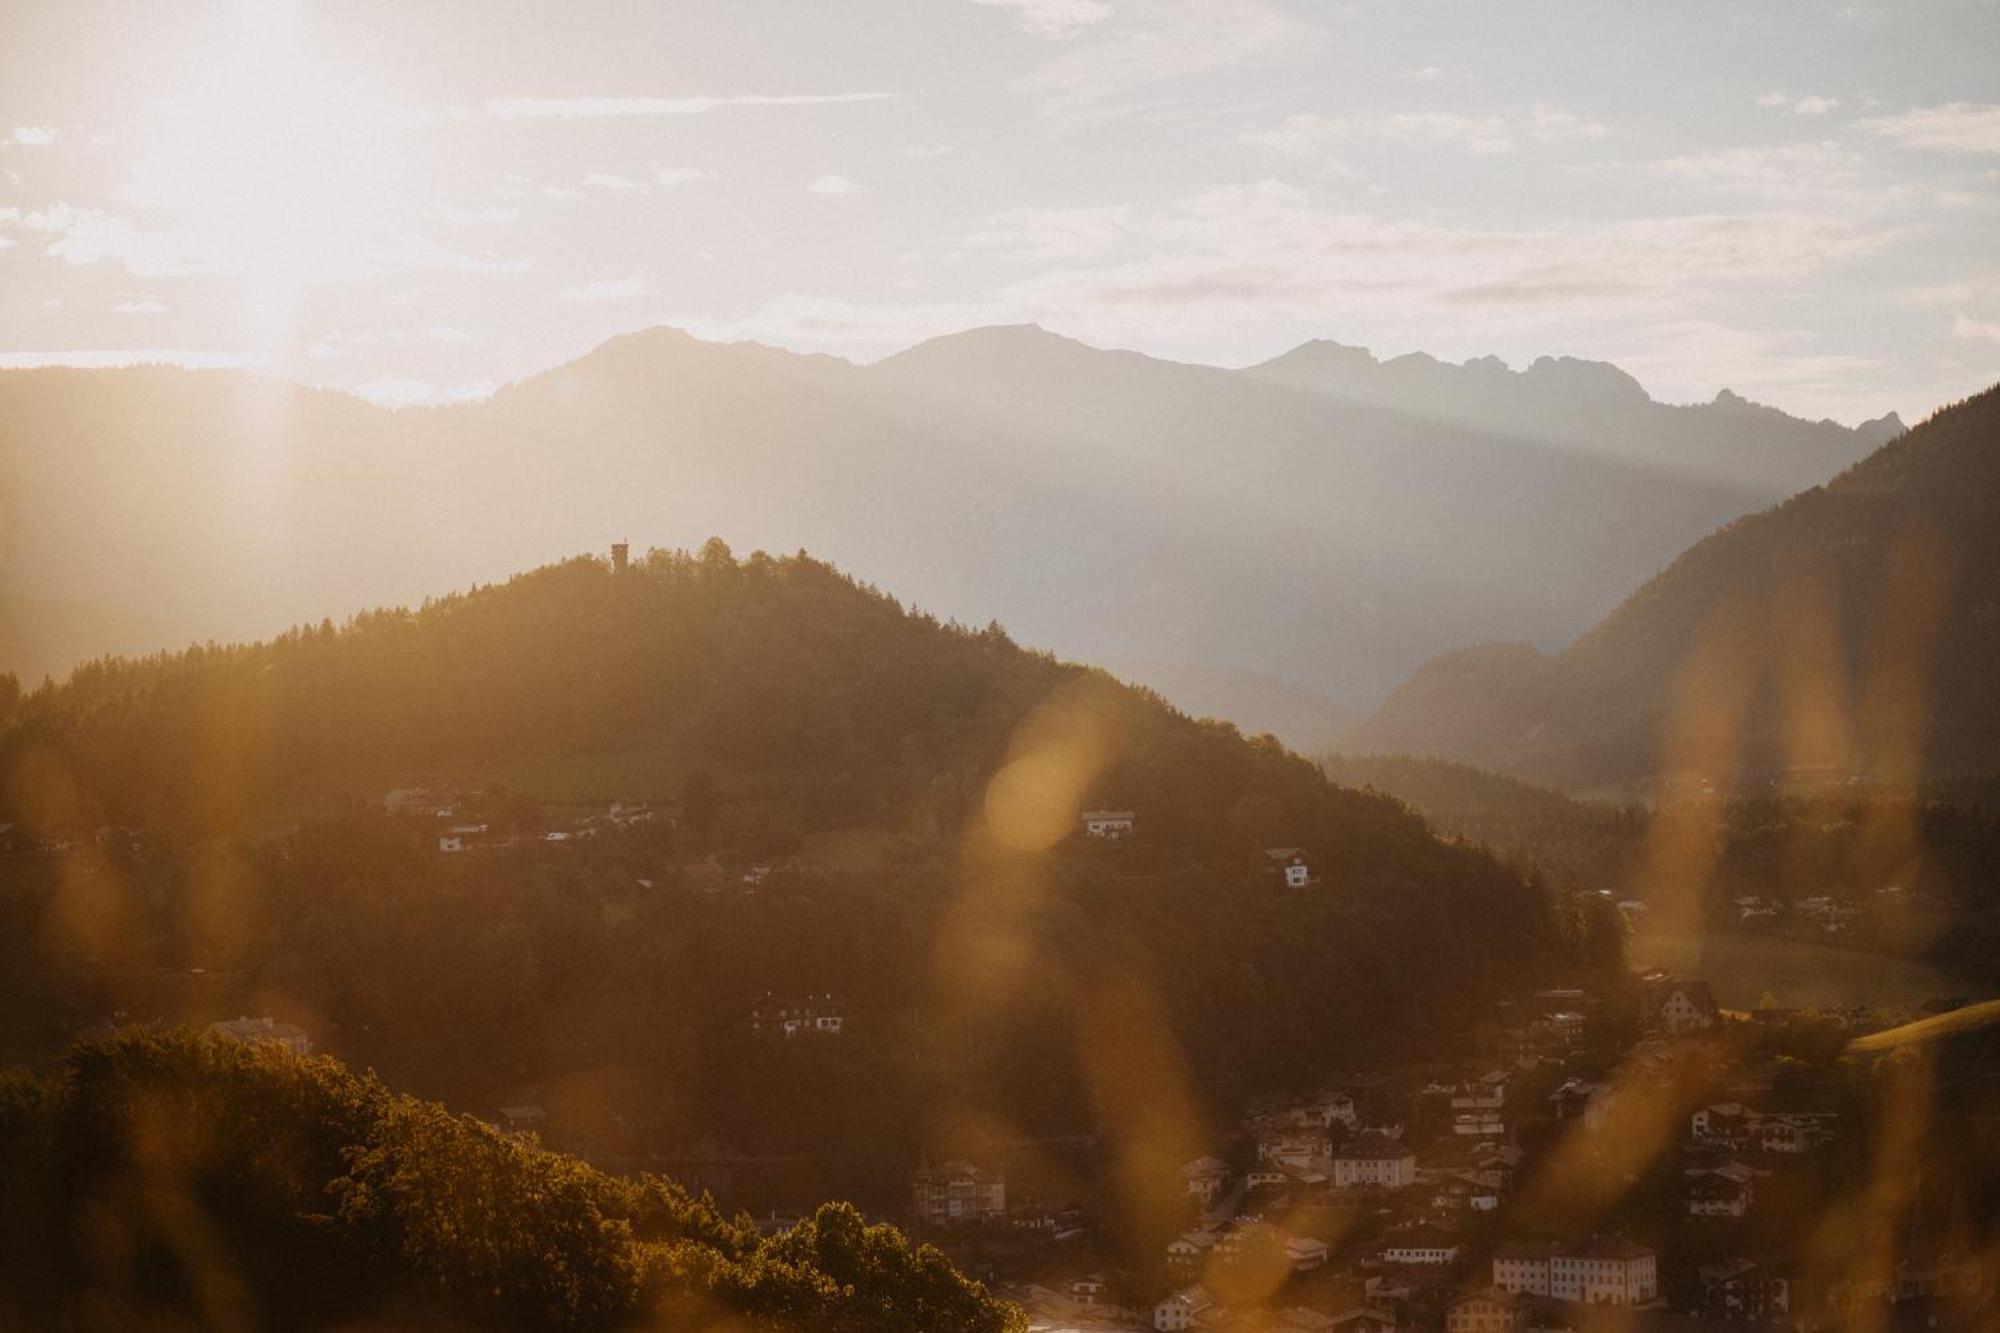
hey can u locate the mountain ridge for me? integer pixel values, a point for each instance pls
(1109, 505)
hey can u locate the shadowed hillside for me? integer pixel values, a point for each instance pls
(1851, 630)
(169, 1180)
(840, 797)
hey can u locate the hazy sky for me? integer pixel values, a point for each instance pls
(418, 200)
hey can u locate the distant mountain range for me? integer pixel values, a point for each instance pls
(1279, 544)
(1853, 630)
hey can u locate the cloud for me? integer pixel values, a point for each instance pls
(922, 150)
(35, 136)
(105, 358)
(1055, 235)
(1773, 100)
(139, 308)
(1962, 327)
(1483, 135)
(672, 177)
(418, 251)
(1955, 127)
(1819, 169)
(1236, 258)
(396, 392)
(834, 185)
(1424, 74)
(86, 236)
(1168, 43)
(610, 289)
(1815, 106)
(599, 108)
(611, 183)
(493, 216)
(1550, 123)
(1057, 20)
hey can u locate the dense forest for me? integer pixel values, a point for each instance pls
(1938, 847)
(776, 717)
(175, 1181)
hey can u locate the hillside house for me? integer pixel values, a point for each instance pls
(1189, 1249)
(523, 1119)
(1306, 1253)
(1206, 1178)
(1579, 1100)
(1183, 1309)
(1424, 1245)
(1487, 1311)
(808, 1016)
(1487, 1092)
(1591, 1272)
(1299, 1149)
(1090, 1289)
(1743, 1289)
(957, 1192)
(262, 1029)
(1374, 1161)
(1679, 1005)
(1289, 866)
(1108, 824)
(1721, 1191)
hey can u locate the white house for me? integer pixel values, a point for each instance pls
(1679, 1005)
(1112, 824)
(1374, 1160)
(957, 1192)
(1186, 1250)
(1425, 1245)
(293, 1039)
(1605, 1271)
(1206, 1178)
(1306, 1253)
(1182, 1309)
(812, 1015)
(1290, 865)
(1486, 1311)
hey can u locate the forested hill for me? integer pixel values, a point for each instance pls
(778, 671)
(168, 1181)
(852, 800)
(1853, 629)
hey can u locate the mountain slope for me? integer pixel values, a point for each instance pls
(1109, 505)
(241, 1186)
(850, 799)
(1852, 629)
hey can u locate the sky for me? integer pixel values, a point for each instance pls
(419, 202)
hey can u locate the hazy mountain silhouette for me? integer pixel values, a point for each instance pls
(1853, 629)
(1588, 403)
(1108, 505)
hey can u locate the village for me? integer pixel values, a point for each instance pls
(1419, 1198)
(1404, 1198)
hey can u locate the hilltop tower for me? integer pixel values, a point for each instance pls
(620, 557)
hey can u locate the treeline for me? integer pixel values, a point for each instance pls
(176, 1181)
(1940, 847)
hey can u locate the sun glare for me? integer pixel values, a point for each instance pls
(272, 173)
